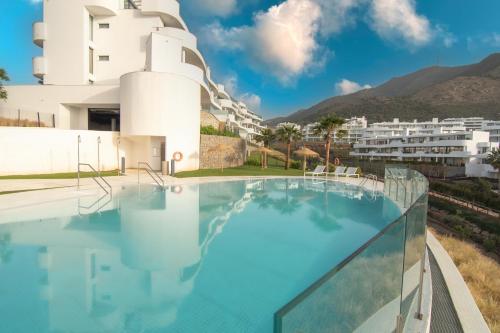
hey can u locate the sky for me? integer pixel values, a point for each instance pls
(280, 56)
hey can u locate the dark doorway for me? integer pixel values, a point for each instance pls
(104, 120)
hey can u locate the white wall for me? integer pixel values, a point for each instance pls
(48, 150)
(163, 105)
(61, 101)
(125, 42)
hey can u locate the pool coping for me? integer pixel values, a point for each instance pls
(469, 315)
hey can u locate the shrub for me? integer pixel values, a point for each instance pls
(464, 231)
(489, 244)
(454, 220)
(210, 130)
(295, 165)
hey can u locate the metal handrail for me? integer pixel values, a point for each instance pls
(95, 178)
(368, 177)
(153, 174)
(97, 202)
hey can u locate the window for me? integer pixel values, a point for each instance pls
(103, 58)
(103, 25)
(104, 119)
(91, 27)
(91, 60)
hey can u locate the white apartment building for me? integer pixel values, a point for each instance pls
(126, 73)
(492, 127)
(354, 128)
(297, 126)
(400, 128)
(462, 148)
(470, 123)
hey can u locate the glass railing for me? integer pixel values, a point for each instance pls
(377, 288)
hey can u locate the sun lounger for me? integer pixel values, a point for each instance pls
(319, 171)
(339, 171)
(352, 172)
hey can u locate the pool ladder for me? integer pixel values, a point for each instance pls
(103, 184)
(149, 170)
(370, 178)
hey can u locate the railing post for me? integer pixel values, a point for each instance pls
(99, 156)
(419, 313)
(18, 117)
(38, 116)
(79, 141)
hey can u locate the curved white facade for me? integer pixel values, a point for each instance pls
(163, 105)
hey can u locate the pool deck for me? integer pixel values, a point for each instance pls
(454, 298)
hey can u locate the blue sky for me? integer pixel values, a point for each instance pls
(281, 56)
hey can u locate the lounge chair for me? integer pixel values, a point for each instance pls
(319, 171)
(352, 172)
(339, 171)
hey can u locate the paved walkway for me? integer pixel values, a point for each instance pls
(466, 204)
(444, 318)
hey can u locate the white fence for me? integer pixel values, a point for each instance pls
(26, 118)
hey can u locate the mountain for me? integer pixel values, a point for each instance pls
(433, 92)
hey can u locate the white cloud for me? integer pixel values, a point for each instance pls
(397, 20)
(346, 87)
(337, 14)
(287, 40)
(492, 39)
(281, 41)
(36, 1)
(221, 8)
(252, 100)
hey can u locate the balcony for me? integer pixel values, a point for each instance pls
(168, 10)
(39, 33)
(39, 67)
(102, 7)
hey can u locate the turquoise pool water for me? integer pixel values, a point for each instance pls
(214, 257)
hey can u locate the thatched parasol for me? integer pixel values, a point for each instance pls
(306, 152)
(263, 155)
(220, 149)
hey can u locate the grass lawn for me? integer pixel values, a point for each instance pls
(66, 175)
(246, 170)
(481, 275)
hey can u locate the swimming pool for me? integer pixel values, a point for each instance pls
(212, 257)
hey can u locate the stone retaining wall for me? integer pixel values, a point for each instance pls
(208, 119)
(230, 159)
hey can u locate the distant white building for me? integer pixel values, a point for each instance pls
(470, 123)
(130, 70)
(297, 126)
(461, 148)
(492, 127)
(354, 128)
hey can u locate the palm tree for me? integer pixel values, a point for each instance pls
(328, 126)
(266, 136)
(288, 134)
(494, 160)
(3, 77)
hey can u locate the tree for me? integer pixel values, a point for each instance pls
(266, 136)
(328, 126)
(494, 160)
(288, 134)
(3, 77)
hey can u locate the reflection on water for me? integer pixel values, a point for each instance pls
(216, 257)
